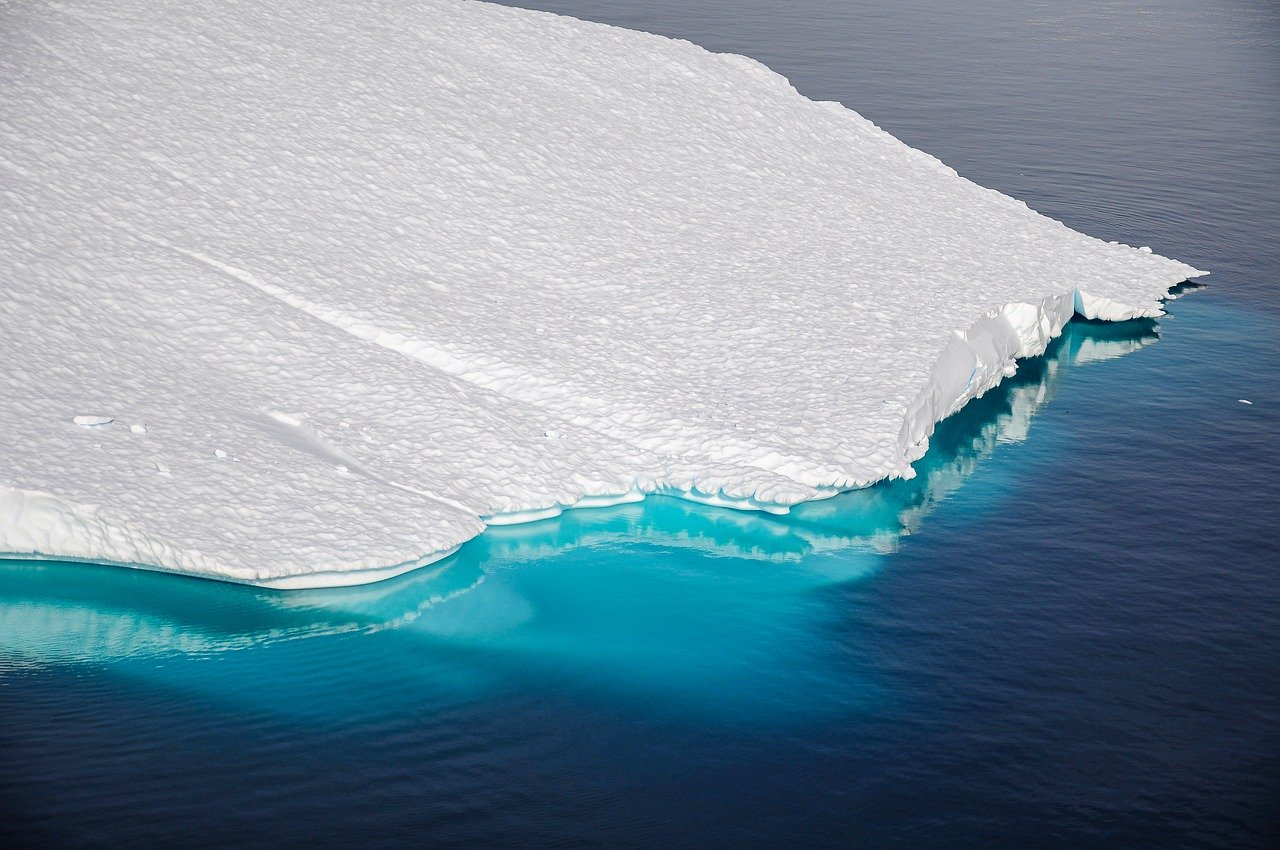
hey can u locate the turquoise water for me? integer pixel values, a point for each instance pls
(696, 611)
(666, 601)
(664, 671)
(1062, 632)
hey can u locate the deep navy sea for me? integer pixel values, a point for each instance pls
(1064, 632)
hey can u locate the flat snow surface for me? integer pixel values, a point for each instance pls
(355, 279)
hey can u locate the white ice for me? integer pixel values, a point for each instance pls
(376, 276)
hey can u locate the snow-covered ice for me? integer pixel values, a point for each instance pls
(377, 275)
(89, 420)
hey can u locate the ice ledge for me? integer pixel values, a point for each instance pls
(978, 359)
(41, 526)
(37, 525)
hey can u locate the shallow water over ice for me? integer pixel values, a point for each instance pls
(1061, 633)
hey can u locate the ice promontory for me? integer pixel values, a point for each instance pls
(308, 293)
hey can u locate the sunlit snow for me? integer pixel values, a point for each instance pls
(363, 279)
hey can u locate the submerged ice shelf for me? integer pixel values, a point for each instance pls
(353, 282)
(62, 614)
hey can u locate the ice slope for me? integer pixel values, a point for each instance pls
(354, 280)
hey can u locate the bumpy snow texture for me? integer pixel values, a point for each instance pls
(305, 294)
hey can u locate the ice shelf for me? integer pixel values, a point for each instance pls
(340, 284)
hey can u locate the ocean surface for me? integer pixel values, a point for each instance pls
(1064, 632)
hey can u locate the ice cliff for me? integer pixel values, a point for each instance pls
(303, 293)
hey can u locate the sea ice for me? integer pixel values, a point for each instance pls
(419, 268)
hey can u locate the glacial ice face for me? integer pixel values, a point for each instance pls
(355, 280)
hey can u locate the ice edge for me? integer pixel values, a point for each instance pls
(971, 363)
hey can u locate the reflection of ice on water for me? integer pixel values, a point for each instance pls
(64, 613)
(53, 632)
(54, 612)
(878, 517)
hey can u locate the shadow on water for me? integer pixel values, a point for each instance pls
(606, 599)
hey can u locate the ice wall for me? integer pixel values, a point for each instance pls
(354, 280)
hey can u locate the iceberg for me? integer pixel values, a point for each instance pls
(53, 614)
(356, 281)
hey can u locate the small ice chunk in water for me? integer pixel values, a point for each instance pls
(91, 421)
(138, 428)
(1246, 401)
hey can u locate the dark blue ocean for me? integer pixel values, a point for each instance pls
(1065, 632)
